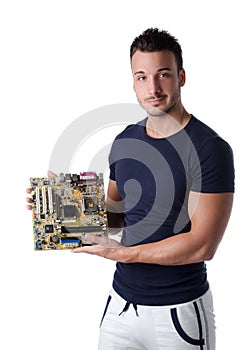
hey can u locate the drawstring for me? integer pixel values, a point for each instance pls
(126, 307)
(135, 307)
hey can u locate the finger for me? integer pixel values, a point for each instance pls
(28, 190)
(86, 249)
(91, 237)
(28, 199)
(51, 174)
(78, 250)
(29, 207)
(103, 241)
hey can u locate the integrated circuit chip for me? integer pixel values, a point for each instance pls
(70, 211)
(65, 208)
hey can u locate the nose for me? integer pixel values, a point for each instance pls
(154, 86)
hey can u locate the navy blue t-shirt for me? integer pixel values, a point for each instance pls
(154, 178)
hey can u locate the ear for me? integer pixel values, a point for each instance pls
(182, 77)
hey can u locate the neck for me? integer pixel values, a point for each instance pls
(167, 124)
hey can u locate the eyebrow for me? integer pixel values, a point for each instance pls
(159, 70)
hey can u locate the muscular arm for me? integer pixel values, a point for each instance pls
(209, 215)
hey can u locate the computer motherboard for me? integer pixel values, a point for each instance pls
(65, 208)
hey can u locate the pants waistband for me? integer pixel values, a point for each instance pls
(126, 303)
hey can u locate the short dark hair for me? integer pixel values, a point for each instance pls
(153, 39)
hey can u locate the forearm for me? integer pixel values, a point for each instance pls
(209, 221)
(177, 250)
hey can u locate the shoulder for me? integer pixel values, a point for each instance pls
(205, 138)
(122, 145)
(132, 130)
(200, 132)
(215, 156)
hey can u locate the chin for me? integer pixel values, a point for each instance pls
(156, 112)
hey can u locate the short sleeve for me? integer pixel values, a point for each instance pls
(215, 173)
(112, 164)
(112, 172)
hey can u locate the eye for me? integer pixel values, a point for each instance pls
(141, 78)
(164, 75)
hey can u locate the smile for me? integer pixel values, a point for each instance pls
(156, 101)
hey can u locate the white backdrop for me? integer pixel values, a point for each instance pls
(61, 59)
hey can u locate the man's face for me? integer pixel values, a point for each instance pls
(157, 81)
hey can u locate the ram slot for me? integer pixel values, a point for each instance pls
(50, 197)
(38, 208)
(44, 200)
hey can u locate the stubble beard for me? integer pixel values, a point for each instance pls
(157, 111)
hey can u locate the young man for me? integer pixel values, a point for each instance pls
(171, 189)
(174, 177)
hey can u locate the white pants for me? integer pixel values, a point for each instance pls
(187, 326)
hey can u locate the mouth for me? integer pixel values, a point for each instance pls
(156, 101)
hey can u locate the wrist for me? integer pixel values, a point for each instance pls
(132, 254)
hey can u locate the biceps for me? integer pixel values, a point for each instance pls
(209, 213)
